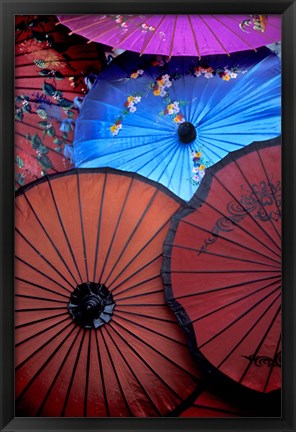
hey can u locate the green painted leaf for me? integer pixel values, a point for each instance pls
(58, 141)
(51, 131)
(42, 149)
(36, 141)
(19, 161)
(44, 72)
(48, 89)
(58, 149)
(65, 103)
(65, 135)
(19, 115)
(70, 113)
(44, 124)
(27, 108)
(58, 75)
(45, 162)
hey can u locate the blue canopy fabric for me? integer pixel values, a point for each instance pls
(131, 117)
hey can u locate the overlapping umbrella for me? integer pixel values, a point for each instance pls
(178, 35)
(170, 121)
(222, 268)
(50, 73)
(93, 335)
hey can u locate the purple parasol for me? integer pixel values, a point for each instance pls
(171, 35)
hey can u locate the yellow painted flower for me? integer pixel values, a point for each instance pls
(201, 167)
(113, 128)
(160, 82)
(156, 92)
(130, 98)
(170, 107)
(134, 75)
(226, 77)
(198, 154)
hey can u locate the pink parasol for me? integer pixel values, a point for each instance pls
(173, 35)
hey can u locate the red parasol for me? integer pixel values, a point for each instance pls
(50, 72)
(93, 334)
(222, 268)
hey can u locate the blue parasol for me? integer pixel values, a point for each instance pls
(170, 119)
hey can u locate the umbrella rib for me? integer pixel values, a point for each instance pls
(235, 301)
(240, 317)
(236, 243)
(115, 374)
(39, 309)
(140, 295)
(43, 258)
(49, 238)
(262, 340)
(223, 288)
(41, 298)
(82, 226)
(44, 364)
(38, 89)
(157, 352)
(272, 366)
(40, 332)
(102, 376)
(129, 367)
(217, 39)
(152, 35)
(99, 227)
(133, 233)
(140, 251)
(40, 320)
(233, 32)
(77, 30)
(73, 375)
(43, 274)
(173, 36)
(220, 410)
(58, 372)
(226, 256)
(194, 37)
(247, 211)
(136, 272)
(268, 180)
(41, 287)
(146, 316)
(151, 330)
(134, 286)
(116, 227)
(64, 230)
(258, 198)
(87, 376)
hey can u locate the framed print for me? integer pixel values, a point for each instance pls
(147, 261)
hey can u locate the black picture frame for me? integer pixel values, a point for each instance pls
(8, 10)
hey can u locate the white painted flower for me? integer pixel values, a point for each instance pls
(209, 75)
(119, 127)
(233, 75)
(140, 72)
(133, 109)
(168, 84)
(195, 169)
(137, 99)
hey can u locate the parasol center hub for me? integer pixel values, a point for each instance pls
(186, 132)
(91, 305)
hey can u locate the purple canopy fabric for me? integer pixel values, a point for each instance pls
(175, 35)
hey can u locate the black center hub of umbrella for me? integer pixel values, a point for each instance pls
(186, 132)
(91, 305)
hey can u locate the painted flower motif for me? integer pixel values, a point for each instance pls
(160, 61)
(207, 72)
(136, 74)
(145, 27)
(130, 107)
(179, 118)
(199, 166)
(161, 84)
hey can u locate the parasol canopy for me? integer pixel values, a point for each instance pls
(93, 334)
(178, 35)
(222, 268)
(51, 73)
(170, 120)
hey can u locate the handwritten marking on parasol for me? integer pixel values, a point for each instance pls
(257, 22)
(260, 361)
(262, 196)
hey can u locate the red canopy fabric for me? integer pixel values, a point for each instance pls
(93, 335)
(222, 268)
(49, 74)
